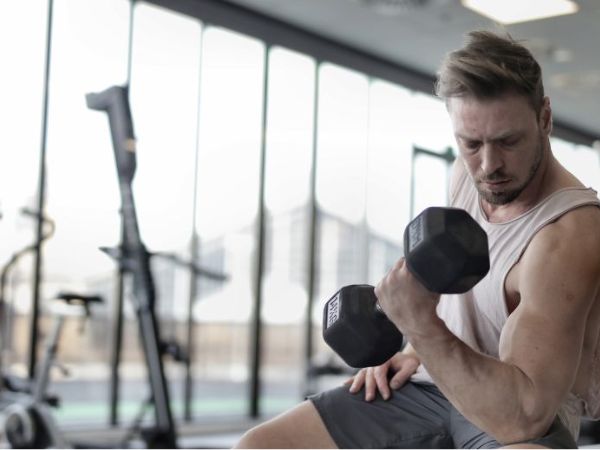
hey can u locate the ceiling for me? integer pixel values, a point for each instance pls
(418, 33)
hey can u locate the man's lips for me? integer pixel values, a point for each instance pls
(494, 183)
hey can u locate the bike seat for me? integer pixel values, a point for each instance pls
(76, 298)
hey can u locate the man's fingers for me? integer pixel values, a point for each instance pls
(380, 375)
(403, 374)
(375, 379)
(370, 385)
(357, 381)
(399, 379)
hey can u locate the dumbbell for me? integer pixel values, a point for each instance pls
(445, 249)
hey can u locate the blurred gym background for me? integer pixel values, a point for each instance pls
(283, 143)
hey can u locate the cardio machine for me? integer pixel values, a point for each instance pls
(134, 258)
(26, 417)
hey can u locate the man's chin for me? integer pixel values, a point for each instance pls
(497, 198)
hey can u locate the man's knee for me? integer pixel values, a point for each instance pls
(301, 427)
(272, 434)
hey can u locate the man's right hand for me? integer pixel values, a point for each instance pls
(400, 366)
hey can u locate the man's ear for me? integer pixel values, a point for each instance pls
(546, 116)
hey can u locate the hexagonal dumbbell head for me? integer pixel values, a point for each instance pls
(446, 250)
(357, 330)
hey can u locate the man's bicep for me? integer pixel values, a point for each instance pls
(558, 281)
(546, 350)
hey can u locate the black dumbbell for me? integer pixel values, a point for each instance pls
(444, 248)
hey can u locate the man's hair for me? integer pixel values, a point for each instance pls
(488, 66)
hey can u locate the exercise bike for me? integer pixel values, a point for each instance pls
(27, 420)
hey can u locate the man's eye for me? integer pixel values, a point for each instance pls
(509, 142)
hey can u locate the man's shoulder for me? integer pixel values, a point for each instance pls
(573, 239)
(579, 223)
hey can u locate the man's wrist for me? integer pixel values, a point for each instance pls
(432, 332)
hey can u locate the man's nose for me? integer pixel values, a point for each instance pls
(491, 160)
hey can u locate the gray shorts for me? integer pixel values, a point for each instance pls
(416, 416)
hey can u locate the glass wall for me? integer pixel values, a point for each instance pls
(388, 175)
(231, 101)
(23, 29)
(432, 132)
(341, 179)
(198, 98)
(81, 200)
(581, 160)
(82, 195)
(287, 191)
(165, 71)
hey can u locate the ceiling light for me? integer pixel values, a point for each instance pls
(513, 11)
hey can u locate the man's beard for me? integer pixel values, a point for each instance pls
(504, 197)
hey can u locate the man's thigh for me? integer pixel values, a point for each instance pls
(416, 416)
(299, 427)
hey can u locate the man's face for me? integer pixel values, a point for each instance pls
(502, 143)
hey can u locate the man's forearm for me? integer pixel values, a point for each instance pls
(495, 396)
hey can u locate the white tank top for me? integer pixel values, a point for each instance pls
(478, 316)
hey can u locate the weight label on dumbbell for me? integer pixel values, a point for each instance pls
(415, 233)
(333, 310)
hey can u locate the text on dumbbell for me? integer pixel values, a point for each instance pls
(333, 310)
(415, 233)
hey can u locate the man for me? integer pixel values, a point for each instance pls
(515, 360)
